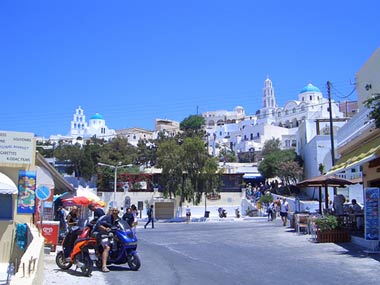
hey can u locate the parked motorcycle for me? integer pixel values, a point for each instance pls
(123, 247)
(222, 213)
(75, 250)
(237, 213)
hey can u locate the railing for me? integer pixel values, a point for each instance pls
(353, 127)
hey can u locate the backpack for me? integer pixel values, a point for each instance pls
(149, 211)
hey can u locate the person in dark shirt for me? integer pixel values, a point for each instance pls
(72, 217)
(98, 212)
(103, 226)
(129, 217)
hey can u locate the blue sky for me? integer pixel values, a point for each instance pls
(135, 61)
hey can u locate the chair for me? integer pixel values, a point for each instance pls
(302, 222)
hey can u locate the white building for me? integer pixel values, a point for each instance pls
(166, 127)
(81, 130)
(97, 127)
(134, 135)
(242, 133)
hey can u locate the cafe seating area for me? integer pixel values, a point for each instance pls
(305, 223)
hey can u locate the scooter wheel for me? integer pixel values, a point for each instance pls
(134, 262)
(61, 261)
(88, 265)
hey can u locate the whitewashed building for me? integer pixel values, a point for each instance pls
(233, 130)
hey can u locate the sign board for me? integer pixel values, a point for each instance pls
(43, 193)
(16, 148)
(50, 231)
(371, 212)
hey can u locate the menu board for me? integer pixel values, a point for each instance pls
(371, 213)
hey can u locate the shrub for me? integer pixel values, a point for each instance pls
(326, 223)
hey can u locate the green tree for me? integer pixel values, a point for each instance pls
(284, 164)
(270, 146)
(118, 150)
(289, 172)
(194, 160)
(70, 153)
(192, 122)
(374, 104)
(169, 159)
(192, 126)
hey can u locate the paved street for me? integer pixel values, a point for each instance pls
(232, 252)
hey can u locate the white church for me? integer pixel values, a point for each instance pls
(96, 126)
(238, 132)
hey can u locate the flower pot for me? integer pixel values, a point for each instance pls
(336, 235)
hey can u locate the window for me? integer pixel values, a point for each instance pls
(6, 209)
(311, 98)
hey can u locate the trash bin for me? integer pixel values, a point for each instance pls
(207, 214)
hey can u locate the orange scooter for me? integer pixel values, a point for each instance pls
(75, 250)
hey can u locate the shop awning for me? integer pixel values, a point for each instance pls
(251, 175)
(361, 155)
(7, 186)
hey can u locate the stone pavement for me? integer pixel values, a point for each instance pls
(54, 275)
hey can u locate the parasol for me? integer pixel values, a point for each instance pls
(324, 181)
(82, 201)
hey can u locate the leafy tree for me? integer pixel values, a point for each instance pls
(289, 172)
(192, 122)
(211, 178)
(270, 146)
(227, 156)
(169, 159)
(146, 153)
(72, 153)
(374, 104)
(284, 164)
(118, 150)
(192, 126)
(194, 159)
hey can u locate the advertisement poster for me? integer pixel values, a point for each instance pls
(371, 213)
(26, 192)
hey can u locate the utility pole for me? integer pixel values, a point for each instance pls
(331, 124)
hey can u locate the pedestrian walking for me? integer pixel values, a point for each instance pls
(149, 212)
(284, 211)
(188, 214)
(271, 211)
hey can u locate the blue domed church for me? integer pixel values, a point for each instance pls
(96, 126)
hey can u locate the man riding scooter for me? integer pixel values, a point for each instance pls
(102, 228)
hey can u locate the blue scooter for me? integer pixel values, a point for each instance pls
(123, 247)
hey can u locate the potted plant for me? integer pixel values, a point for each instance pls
(329, 231)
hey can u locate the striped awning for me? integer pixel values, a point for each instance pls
(359, 156)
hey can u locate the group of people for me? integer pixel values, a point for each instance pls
(281, 207)
(104, 223)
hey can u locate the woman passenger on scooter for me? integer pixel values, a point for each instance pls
(72, 217)
(103, 226)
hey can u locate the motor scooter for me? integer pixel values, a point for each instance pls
(222, 213)
(123, 243)
(75, 250)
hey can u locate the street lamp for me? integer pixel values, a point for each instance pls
(115, 167)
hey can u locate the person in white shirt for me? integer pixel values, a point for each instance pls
(284, 211)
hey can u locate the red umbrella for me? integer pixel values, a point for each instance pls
(81, 201)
